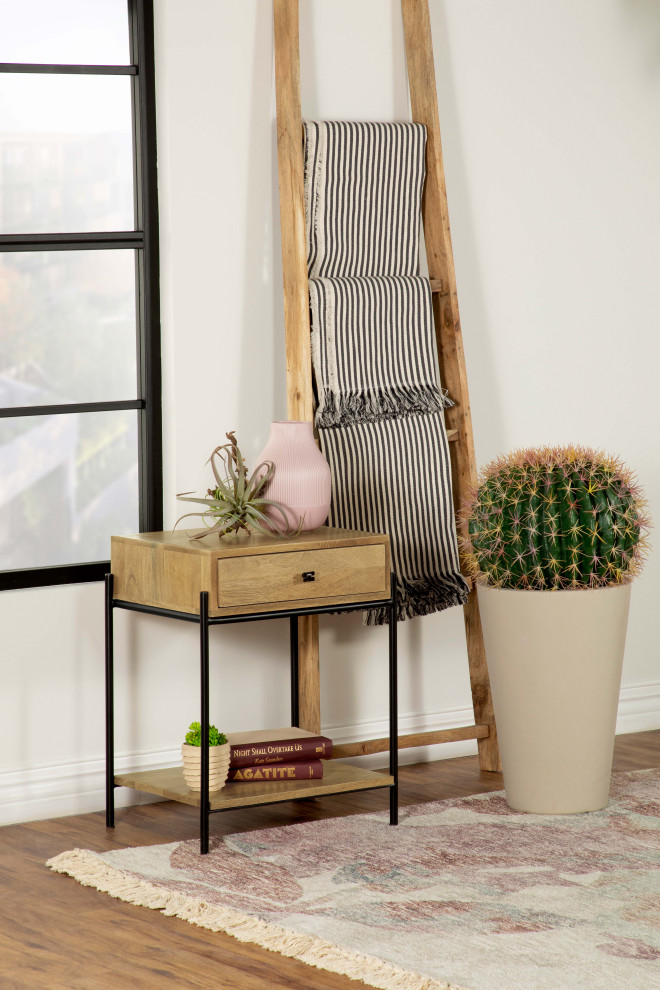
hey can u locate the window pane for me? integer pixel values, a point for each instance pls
(64, 32)
(67, 327)
(66, 160)
(67, 483)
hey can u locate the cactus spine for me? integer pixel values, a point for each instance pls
(552, 518)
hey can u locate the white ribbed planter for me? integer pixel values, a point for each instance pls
(218, 766)
(554, 659)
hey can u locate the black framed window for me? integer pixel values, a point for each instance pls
(80, 381)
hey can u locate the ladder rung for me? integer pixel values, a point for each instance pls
(436, 285)
(369, 746)
(452, 435)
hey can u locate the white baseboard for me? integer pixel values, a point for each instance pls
(73, 788)
(78, 788)
(639, 708)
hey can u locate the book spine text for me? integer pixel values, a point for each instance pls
(282, 751)
(311, 770)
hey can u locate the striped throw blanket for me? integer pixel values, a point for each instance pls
(379, 412)
(363, 190)
(368, 364)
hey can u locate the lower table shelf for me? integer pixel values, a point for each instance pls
(337, 777)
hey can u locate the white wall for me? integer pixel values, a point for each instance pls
(552, 152)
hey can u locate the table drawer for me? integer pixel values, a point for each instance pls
(336, 572)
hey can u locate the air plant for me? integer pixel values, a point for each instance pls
(237, 501)
(553, 518)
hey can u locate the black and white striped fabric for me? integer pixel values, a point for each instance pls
(379, 413)
(392, 476)
(363, 192)
(368, 364)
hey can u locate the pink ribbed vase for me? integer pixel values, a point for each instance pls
(301, 481)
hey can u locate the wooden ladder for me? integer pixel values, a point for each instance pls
(300, 396)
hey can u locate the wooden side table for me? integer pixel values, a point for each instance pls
(243, 579)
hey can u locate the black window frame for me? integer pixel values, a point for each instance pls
(144, 239)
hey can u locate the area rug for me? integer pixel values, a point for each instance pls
(463, 893)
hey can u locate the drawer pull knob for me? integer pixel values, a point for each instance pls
(308, 576)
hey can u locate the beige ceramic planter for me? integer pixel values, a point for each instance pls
(218, 766)
(554, 659)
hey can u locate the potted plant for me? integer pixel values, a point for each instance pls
(553, 537)
(191, 751)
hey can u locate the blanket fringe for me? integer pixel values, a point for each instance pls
(90, 870)
(350, 408)
(420, 597)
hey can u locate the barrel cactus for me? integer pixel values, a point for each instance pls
(552, 518)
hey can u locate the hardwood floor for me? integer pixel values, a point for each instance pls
(58, 935)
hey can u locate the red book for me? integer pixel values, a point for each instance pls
(311, 770)
(288, 745)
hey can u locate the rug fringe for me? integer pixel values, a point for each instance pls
(91, 871)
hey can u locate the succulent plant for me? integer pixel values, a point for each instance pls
(552, 518)
(194, 735)
(237, 501)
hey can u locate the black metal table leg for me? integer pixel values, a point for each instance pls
(394, 731)
(295, 709)
(109, 708)
(204, 808)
